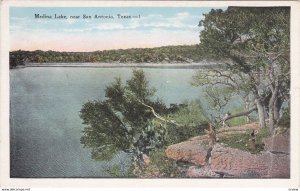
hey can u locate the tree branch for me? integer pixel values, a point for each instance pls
(154, 113)
(245, 113)
(157, 115)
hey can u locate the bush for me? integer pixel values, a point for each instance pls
(167, 167)
(192, 122)
(118, 171)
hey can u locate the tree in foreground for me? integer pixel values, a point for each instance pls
(254, 44)
(124, 121)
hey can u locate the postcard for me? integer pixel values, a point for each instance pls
(149, 93)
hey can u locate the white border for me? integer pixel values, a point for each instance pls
(6, 181)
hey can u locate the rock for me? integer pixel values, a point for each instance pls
(279, 165)
(201, 172)
(238, 163)
(279, 143)
(193, 151)
(224, 161)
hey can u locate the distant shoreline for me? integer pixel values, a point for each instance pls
(120, 65)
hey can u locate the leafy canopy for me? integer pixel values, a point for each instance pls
(122, 122)
(254, 44)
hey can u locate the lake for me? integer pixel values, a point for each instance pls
(45, 127)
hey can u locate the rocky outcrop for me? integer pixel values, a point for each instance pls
(193, 151)
(221, 161)
(278, 144)
(238, 163)
(201, 172)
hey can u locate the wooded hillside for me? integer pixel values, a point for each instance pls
(167, 54)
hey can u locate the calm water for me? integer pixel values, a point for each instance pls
(45, 125)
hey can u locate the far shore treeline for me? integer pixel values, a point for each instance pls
(166, 54)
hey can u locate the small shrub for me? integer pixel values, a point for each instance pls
(167, 167)
(119, 171)
(192, 122)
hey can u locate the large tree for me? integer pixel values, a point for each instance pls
(124, 121)
(255, 45)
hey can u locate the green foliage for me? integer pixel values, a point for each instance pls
(167, 167)
(238, 120)
(254, 44)
(17, 58)
(178, 134)
(190, 113)
(250, 30)
(242, 141)
(191, 119)
(219, 87)
(262, 133)
(141, 89)
(118, 171)
(218, 97)
(105, 134)
(122, 122)
(167, 54)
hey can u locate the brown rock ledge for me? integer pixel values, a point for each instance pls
(223, 161)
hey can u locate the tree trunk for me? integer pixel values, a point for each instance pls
(247, 107)
(273, 110)
(271, 114)
(277, 107)
(261, 113)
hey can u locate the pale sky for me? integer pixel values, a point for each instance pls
(154, 27)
